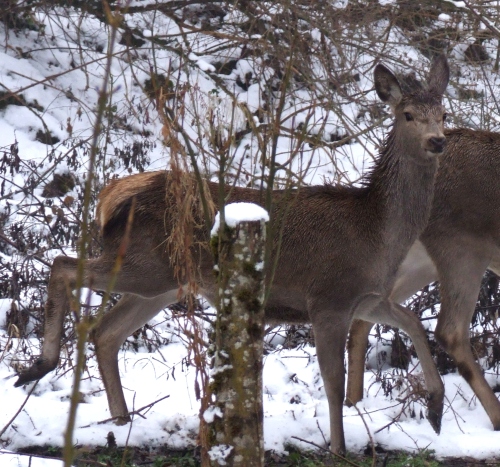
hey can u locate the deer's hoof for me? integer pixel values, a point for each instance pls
(38, 370)
(122, 420)
(338, 449)
(435, 414)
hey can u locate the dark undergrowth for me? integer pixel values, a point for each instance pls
(163, 457)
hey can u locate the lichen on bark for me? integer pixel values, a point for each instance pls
(237, 371)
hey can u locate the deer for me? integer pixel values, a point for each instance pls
(339, 250)
(461, 241)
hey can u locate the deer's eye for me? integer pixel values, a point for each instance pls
(445, 116)
(408, 116)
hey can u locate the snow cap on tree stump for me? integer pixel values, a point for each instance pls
(235, 213)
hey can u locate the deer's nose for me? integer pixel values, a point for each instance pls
(437, 143)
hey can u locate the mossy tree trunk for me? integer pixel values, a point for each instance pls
(237, 414)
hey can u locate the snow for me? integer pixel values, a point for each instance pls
(202, 64)
(9, 459)
(212, 412)
(240, 212)
(294, 406)
(220, 453)
(63, 77)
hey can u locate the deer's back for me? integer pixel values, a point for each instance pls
(308, 209)
(316, 229)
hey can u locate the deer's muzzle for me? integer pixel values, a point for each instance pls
(436, 144)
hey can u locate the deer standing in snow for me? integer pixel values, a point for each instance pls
(340, 250)
(461, 241)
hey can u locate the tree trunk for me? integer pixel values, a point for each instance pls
(237, 414)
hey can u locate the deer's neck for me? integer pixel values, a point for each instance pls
(401, 191)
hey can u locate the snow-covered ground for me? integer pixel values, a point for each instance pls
(58, 69)
(294, 406)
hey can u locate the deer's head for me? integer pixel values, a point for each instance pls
(419, 114)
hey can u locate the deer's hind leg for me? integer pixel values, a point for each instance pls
(356, 353)
(460, 283)
(98, 275)
(128, 315)
(62, 281)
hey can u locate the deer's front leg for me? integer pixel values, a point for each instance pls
(128, 315)
(330, 333)
(393, 314)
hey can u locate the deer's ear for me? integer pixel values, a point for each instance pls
(387, 86)
(439, 74)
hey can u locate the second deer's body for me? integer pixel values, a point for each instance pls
(461, 241)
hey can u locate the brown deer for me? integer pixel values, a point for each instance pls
(339, 254)
(461, 241)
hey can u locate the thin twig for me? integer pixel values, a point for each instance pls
(12, 244)
(322, 434)
(372, 444)
(326, 450)
(131, 424)
(83, 327)
(134, 412)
